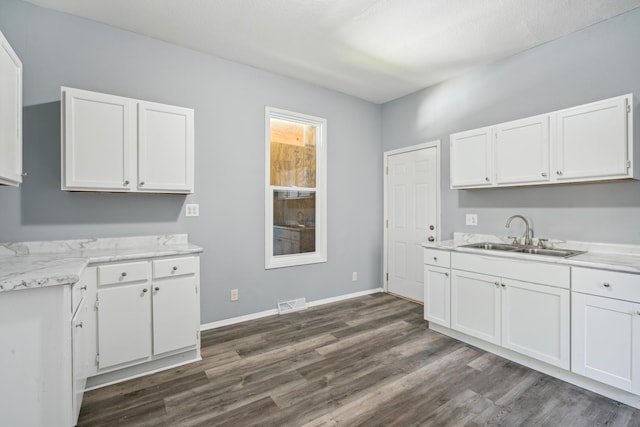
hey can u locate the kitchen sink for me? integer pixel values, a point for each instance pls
(561, 253)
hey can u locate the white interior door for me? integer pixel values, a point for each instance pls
(412, 207)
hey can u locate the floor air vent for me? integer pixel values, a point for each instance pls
(293, 305)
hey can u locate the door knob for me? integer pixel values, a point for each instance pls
(431, 239)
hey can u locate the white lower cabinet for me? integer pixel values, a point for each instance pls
(605, 336)
(493, 304)
(535, 321)
(475, 305)
(437, 295)
(146, 310)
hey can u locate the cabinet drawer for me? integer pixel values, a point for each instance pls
(122, 273)
(174, 267)
(612, 284)
(437, 257)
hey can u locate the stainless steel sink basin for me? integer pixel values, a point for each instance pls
(492, 246)
(561, 253)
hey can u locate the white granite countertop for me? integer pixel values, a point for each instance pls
(27, 265)
(625, 258)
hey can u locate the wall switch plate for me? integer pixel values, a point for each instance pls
(472, 219)
(192, 209)
(354, 276)
(234, 295)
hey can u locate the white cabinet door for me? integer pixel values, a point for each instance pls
(124, 324)
(535, 321)
(99, 141)
(592, 141)
(175, 314)
(80, 355)
(475, 305)
(471, 158)
(437, 295)
(10, 115)
(165, 148)
(522, 150)
(605, 340)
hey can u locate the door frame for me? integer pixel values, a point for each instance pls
(385, 231)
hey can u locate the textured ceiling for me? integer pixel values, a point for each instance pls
(377, 50)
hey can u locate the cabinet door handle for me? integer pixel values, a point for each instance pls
(431, 238)
(447, 275)
(558, 173)
(435, 258)
(141, 183)
(496, 283)
(83, 288)
(606, 284)
(123, 274)
(79, 325)
(175, 268)
(486, 178)
(126, 182)
(544, 174)
(503, 285)
(157, 288)
(145, 290)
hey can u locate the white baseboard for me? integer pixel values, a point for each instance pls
(261, 314)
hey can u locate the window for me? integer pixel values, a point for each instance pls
(295, 189)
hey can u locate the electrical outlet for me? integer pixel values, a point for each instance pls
(234, 295)
(472, 219)
(192, 209)
(354, 276)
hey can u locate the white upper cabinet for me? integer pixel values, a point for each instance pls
(522, 151)
(118, 144)
(165, 147)
(10, 115)
(471, 154)
(592, 141)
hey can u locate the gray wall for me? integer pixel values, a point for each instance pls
(599, 62)
(229, 100)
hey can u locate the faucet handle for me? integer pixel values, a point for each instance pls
(515, 240)
(541, 242)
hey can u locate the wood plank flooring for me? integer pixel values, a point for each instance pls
(367, 361)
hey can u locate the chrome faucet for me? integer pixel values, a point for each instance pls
(527, 235)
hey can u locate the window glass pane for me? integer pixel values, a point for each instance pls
(294, 222)
(293, 154)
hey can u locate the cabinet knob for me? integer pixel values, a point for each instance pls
(606, 284)
(431, 227)
(496, 283)
(431, 238)
(126, 182)
(141, 183)
(486, 178)
(544, 174)
(145, 290)
(79, 325)
(157, 288)
(175, 268)
(123, 274)
(447, 275)
(558, 173)
(83, 288)
(435, 258)
(503, 285)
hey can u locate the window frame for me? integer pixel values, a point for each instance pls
(320, 254)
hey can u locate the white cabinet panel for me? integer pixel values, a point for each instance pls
(165, 147)
(437, 295)
(81, 335)
(98, 141)
(522, 150)
(118, 144)
(124, 324)
(475, 305)
(592, 140)
(471, 164)
(175, 314)
(535, 321)
(606, 340)
(10, 115)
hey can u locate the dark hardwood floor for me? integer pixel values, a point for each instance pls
(366, 361)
